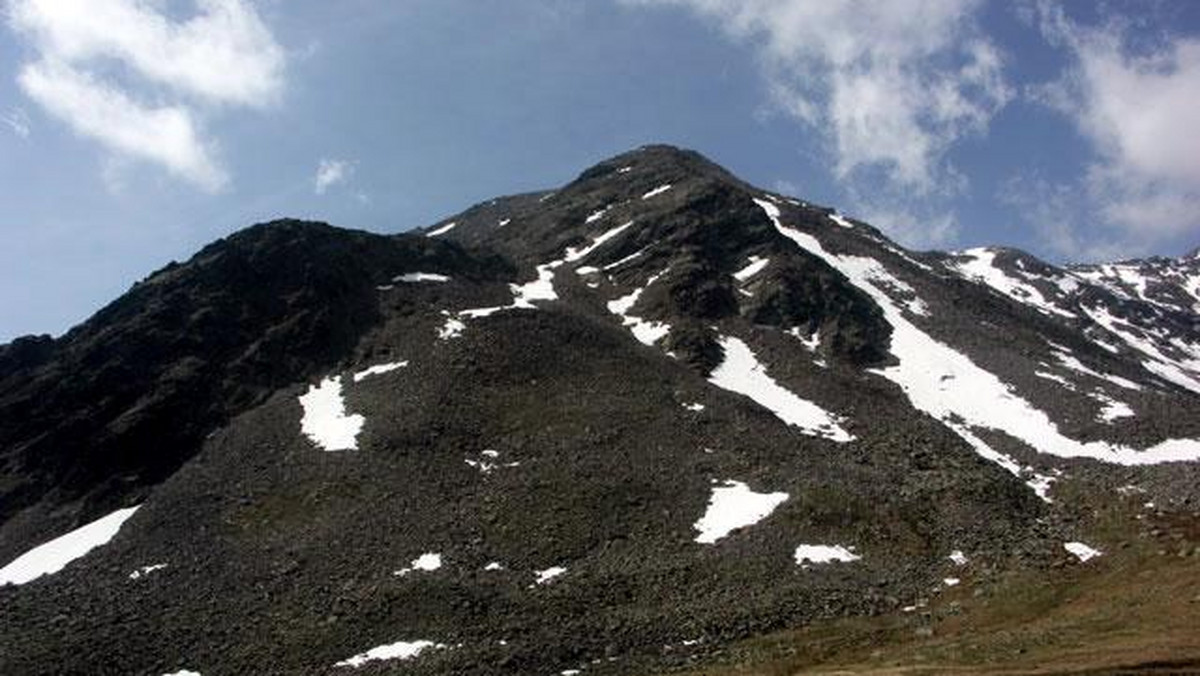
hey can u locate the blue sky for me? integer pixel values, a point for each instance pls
(132, 132)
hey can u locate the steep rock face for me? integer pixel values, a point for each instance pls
(119, 403)
(656, 407)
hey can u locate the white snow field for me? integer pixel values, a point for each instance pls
(732, 506)
(808, 555)
(741, 372)
(946, 384)
(400, 650)
(50, 557)
(325, 421)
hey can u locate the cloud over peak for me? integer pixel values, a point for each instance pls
(893, 84)
(223, 56)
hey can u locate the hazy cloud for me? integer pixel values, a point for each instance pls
(893, 85)
(330, 173)
(223, 56)
(17, 121)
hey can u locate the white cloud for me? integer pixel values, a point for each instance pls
(331, 173)
(223, 56)
(892, 84)
(1136, 109)
(166, 135)
(17, 121)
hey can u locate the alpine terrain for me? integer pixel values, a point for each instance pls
(655, 421)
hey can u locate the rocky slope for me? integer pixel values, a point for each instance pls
(608, 428)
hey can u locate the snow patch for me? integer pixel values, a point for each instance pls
(50, 557)
(378, 369)
(807, 555)
(734, 506)
(146, 570)
(598, 214)
(840, 220)
(425, 563)
(544, 576)
(401, 650)
(1081, 551)
(418, 277)
(756, 266)
(951, 581)
(325, 421)
(647, 332)
(451, 328)
(958, 558)
(657, 191)
(741, 372)
(442, 230)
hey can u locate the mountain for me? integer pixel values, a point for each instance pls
(655, 420)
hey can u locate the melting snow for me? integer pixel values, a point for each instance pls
(544, 576)
(958, 557)
(1159, 364)
(425, 562)
(401, 650)
(816, 554)
(1056, 378)
(837, 218)
(417, 277)
(503, 222)
(657, 191)
(696, 407)
(624, 260)
(741, 372)
(183, 672)
(946, 384)
(951, 581)
(647, 332)
(1112, 409)
(756, 266)
(734, 506)
(1064, 357)
(50, 557)
(982, 268)
(494, 565)
(1081, 551)
(442, 230)
(146, 570)
(487, 462)
(325, 421)
(378, 369)
(452, 328)
(598, 214)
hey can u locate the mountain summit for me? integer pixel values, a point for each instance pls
(619, 427)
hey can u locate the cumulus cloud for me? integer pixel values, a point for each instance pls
(330, 173)
(893, 85)
(1136, 109)
(172, 73)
